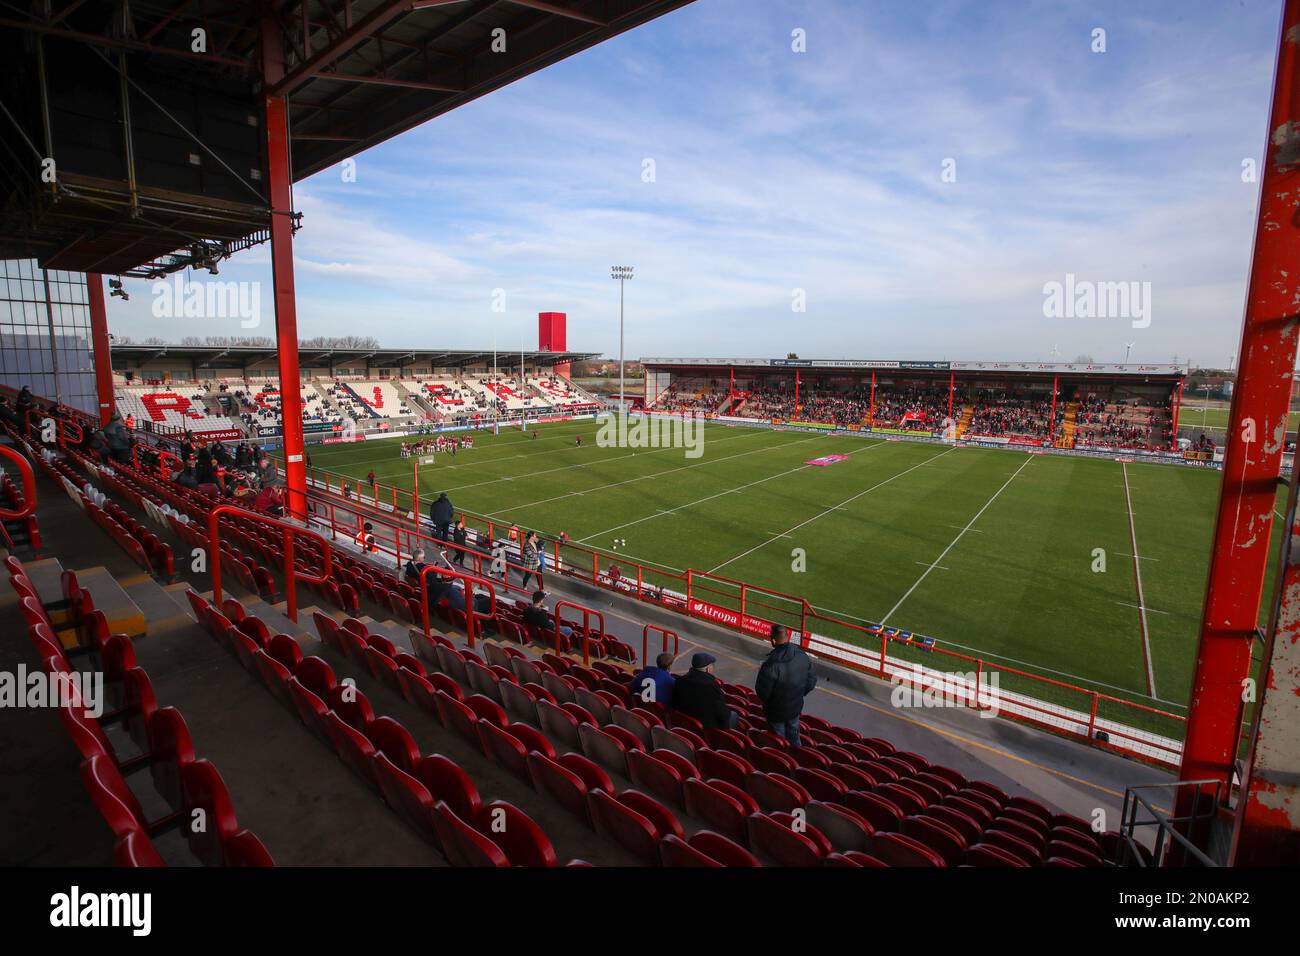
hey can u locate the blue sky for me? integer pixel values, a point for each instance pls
(821, 171)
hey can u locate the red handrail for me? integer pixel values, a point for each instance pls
(291, 576)
(587, 615)
(29, 485)
(471, 614)
(645, 641)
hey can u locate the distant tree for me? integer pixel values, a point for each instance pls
(1084, 360)
(791, 355)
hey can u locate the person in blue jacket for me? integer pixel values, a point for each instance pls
(655, 683)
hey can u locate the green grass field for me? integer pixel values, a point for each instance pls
(991, 552)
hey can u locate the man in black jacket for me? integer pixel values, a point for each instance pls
(785, 679)
(440, 513)
(698, 694)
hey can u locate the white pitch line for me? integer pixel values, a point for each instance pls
(729, 491)
(666, 471)
(937, 567)
(823, 514)
(885, 620)
(1137, 576)
(1140, 608)
(584, 464)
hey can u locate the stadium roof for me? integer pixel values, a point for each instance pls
(244, 356)
(160, 148)
(849, 365)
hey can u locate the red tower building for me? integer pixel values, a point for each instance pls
(552, 336)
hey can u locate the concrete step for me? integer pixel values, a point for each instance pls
(287, 786)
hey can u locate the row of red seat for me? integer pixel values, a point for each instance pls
(192, 787)
(858, 789)
(26, 527)
(431, 792)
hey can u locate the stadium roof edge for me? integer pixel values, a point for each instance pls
(840, 365)
(238, 355)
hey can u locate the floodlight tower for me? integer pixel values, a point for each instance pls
(622, 274)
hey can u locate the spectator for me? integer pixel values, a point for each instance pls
(786, 677)
(119, 441)
(698, 694)
(531, 560)
(411, 570)
(441, 513)
(266, 471)
(655, 683)
(370, 479)
(459, 535)
(366, 538)
(269, 501)
(537, 616)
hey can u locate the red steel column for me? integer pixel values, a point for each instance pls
(279, 180)
(99, 344)
(1178, 404)
(952, 387)
(731, 385)
(871, 415)
(796, 391)
(1256, 438)
(1267, 828)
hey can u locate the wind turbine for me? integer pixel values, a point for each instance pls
(1128, 347)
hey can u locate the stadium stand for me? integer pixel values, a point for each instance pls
(175, 408)
(452, 735)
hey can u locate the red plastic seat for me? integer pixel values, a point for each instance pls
(138, 706)
(938, 836)
(896, 849)
(135, 850)
(881, 813)
(590, 772)
(516, 834)
(772, 760)
(776, 793)
(820, 784)
(620, 822)
(245, 849)
(171, 750)
(777, 837)
(505, 748)
(722, 810)
(730, 767)
(844, 828)
(531, 738)
(461, 843)
(487, 709)
(353, 747)
(726, 852)
(561, 783)
(674, 851)
(208, 814)
(407, 796)
(394, 741)
(603, 748)
(447, 782)
(457, 717)
(559, 725)
(656, 775)
(985, 854)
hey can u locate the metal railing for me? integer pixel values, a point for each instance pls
(29, 485)
(1170, 831)
(587, 615)
(291, 573)
(645, 642)
(472, 615)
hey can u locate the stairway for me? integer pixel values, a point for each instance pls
(1068, 426)
(963, 424)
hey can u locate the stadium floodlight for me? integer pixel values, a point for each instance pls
(622, 274)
